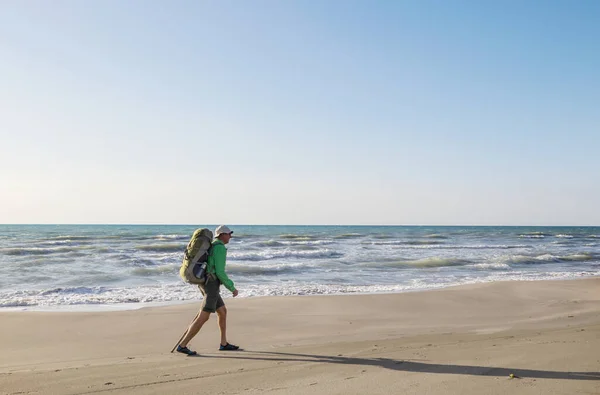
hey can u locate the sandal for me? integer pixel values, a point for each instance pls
(187, 351)
(228, 347)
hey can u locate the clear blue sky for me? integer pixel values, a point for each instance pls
(300, 112)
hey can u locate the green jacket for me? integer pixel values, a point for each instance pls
(216, 264)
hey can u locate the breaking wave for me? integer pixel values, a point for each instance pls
(40, 251)
(296, 237)
(268, 255)
(162, 247)
(550, 258)
(422, 263)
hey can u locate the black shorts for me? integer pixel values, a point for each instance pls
(212, 296)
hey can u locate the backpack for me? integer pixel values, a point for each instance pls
(195, 257)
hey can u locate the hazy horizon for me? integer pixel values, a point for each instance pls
(308, 225)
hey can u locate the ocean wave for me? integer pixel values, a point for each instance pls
(65, 242)
(137, 261)
(17, 251)
(296, 237)
(132, 297)
(288, 243)
(74, 296)
(563, 242)
(127, 237)
(245, 236)
(550, 258)
(73, 290)
(582, 257)
(269, 243)
(136, 297)
(421, 242)
(442, 246)
(491, 246)
(263, 270)
(564, 236)
(538, 259)
(403, 242)
(536, 234)
(298, 245)
(483, 247)
(101, 237)
(171, 237)
(348, 236)
(382, 236)
(71, 237)
(419, 263)
(492, 266)
(306, 247)
(436, 236)
(337, 289)
(269, 255)
(152, 271)
(172, 247)
(126, 261)
(316, 242)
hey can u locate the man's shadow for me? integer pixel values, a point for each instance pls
(409, 365)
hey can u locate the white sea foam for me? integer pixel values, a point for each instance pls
(349, 236)
(436, 246)
(436, 236)
(405, 242)
(492, 266)
(267, 255)
(165, 247)
(41, 250)
(135, 297)
(523, 259)
(171, 237)
(579, 257)
(549, 258)
(435, 261)
(297, 237)
(248, 270)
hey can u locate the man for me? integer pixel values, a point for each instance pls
(215, 269)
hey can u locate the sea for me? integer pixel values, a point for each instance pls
(89, 267)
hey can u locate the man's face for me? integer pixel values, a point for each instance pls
(225, 237)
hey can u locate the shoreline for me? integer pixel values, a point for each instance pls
(114, 307)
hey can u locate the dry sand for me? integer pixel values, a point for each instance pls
(463, 340)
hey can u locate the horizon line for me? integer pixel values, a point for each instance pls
(307, 225)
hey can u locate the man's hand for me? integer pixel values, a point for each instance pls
(235, 293)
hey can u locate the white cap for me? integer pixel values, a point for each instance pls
(222, 229)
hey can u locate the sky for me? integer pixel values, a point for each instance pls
(300, 112)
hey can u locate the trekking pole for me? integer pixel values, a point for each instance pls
(185, 333)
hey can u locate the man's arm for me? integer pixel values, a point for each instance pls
(220, 253)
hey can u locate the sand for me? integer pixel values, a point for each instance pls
(461, 340)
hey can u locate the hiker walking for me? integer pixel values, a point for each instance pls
(212, 302)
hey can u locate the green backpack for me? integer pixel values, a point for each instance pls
(195, 257)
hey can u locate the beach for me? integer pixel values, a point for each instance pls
(398, 197)
(467, 339)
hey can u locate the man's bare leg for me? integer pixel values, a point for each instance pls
(222, 313)
(195, 327)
